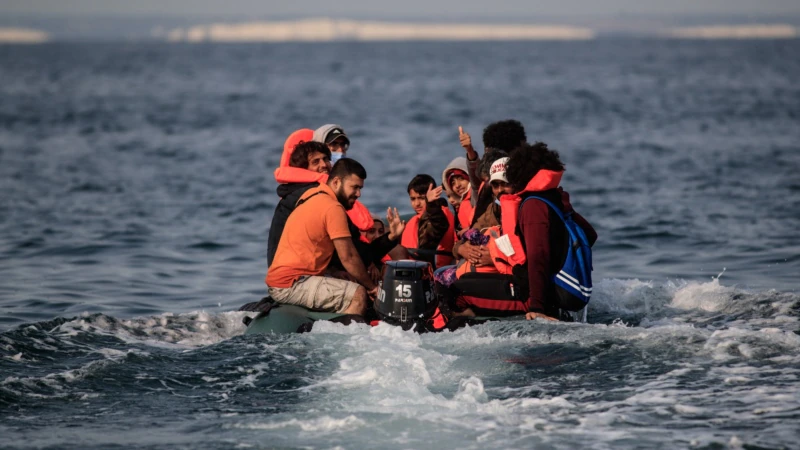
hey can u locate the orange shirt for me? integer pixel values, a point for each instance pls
(306, 245)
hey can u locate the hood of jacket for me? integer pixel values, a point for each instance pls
(287, 189)
(457, 163)
(544, 180)
(286, 174)
(293, 178)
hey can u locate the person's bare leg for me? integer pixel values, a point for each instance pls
(358, 305)
(465, 313)
(399, 252)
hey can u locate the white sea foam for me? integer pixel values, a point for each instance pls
(437, 383)
(53, 385)
(752, 344)
(446, 384)
(709, 296)
(630, 296)
(324, 424)
(193, 329)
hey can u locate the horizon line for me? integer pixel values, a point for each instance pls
(326, 29)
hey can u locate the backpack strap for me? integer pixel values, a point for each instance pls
(577, 236)
(564, 217)
(552, 206)
(303, 200)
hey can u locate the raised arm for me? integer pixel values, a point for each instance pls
(433, 224)
(472, 166)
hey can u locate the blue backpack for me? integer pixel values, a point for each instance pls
(574, 281)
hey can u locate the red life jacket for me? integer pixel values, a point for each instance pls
(410, 237)
(509, 212)
(500, 260)
(359, 214)
(466, 210)
(511, 255)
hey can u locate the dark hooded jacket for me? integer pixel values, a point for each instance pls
(289, 193)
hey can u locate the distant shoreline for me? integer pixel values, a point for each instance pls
(343, 30)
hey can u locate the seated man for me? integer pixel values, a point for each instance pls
(316, 228)
(487, 204)
(499, 138)
(515, 276)
(455, 182)
(477, 253)
(335, 138)
(535, 170)
(431, 230)
(304, 165)
(338, 143)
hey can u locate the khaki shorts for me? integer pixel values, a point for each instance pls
(317, 294)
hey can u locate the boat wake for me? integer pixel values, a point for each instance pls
(679, 353)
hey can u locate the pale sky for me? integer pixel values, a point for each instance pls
(403, 8)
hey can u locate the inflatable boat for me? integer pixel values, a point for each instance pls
(406, 298)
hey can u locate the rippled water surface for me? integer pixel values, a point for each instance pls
(137, 195)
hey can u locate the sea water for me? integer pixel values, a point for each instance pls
(137, 193)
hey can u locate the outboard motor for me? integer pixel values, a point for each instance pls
(405, 296)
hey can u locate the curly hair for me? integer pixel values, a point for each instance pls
(527, 160)
(505, 135)
(301, 151)
(489, 157)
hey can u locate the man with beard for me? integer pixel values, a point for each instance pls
(300, 273)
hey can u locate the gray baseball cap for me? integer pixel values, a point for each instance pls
(328, 133)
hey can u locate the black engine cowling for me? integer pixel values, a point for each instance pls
(406, 294)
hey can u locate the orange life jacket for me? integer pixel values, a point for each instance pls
(410, 237)
(359, 214)
(514, 254)
(509, 212)
(466, 210)
(465, 266)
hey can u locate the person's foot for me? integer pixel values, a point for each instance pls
(536, 315)
(465, 313)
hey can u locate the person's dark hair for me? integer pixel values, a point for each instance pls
(504, 135)
(421, 183)
(527, 160)
(301, 151)
(489, 157)
(346, 167)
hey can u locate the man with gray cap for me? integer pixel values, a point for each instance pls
(334, 137)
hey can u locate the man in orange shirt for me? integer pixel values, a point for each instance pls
(316, 228)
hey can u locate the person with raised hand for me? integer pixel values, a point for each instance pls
(431, 230)
(396, 224)
(461, 177)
